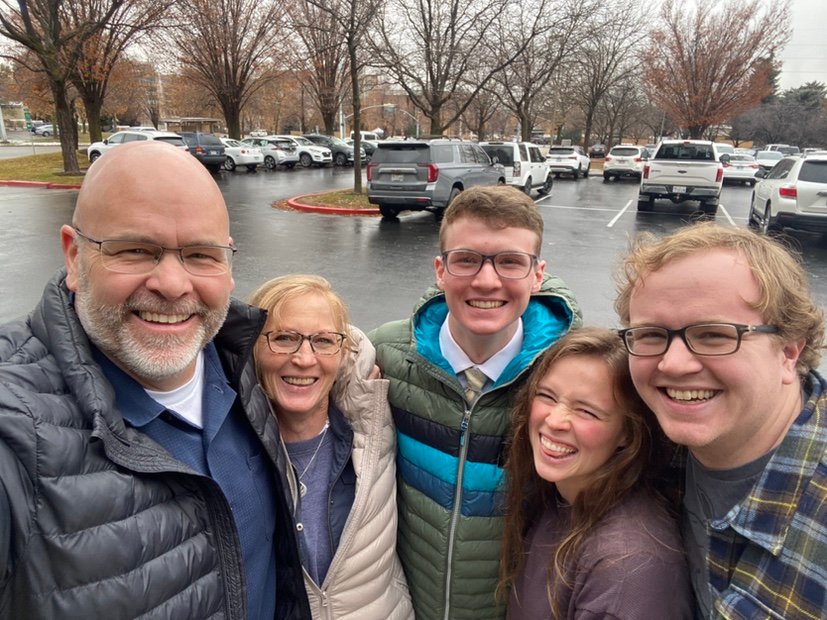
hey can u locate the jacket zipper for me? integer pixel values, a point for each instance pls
(463, 455)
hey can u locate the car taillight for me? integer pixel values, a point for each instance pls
(720, 175)
(637, 159)
(199, 150)
(517, 168)
(371, 166)
(646, 172)
(754, 165)
(788, 191)
(608, 158)
(433, 171)
(572, 156)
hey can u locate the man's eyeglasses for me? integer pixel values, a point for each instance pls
(509, 265)
(321, 343)
(138, 257)
(701, 338)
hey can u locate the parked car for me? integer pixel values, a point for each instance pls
(767, 159)
(240, 154)
(276, 151)
(784, 149)
(371, 136)
(723, 148)
(525, 166)
(624, 160)
(96, 149)
(568, 159)
(369, 146)
(206, 147)
(793, 193)
(342, 151)
(45, 130)
(310, 154)
(597, 150)
(741, 168)
(427, 175)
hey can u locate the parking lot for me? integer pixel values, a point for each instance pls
(380, 267)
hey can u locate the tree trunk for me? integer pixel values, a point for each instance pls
(232, 116)
(64, 117)
(525, 127)
(357, 119)
(435, 116)
(93, 113)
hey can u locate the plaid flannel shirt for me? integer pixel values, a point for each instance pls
(768, 555)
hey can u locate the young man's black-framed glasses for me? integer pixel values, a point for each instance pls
(508, 265)
(700, 338)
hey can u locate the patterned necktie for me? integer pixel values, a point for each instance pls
(475, 379)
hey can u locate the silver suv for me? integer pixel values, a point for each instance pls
(624, 160)
(415, 175)
(525, 166)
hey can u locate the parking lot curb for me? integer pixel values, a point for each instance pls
(41, 184)
(296, 203)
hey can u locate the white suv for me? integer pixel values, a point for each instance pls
(310, 154)
(570, 159)
(96, 149)
(793, 193)
(525, 166)
(624, 160)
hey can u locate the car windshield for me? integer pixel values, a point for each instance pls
(560, 151)
(686, 150)
(173, 140)
(208, 138)
(338, 141)
(232, 143)
(741, 157)
(769, 155)
(504, 154)
(401, 153)
(303, 141)
(814, 171)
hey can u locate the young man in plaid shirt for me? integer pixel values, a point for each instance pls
(724, 336)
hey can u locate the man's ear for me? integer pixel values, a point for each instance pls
(791, 352)
(69, 244)
(439, 272)
(537, 275)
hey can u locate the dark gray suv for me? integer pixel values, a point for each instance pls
(414, 175)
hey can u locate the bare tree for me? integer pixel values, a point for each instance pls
(608, 56)
(708, 61)
(523, 83)
(226, 47)
(351, 19)
(56, 32)
(323, 60)
(431, 47)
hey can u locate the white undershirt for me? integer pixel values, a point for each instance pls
(493, 367)
(186, 401)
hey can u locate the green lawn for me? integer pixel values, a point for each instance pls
(46, 167)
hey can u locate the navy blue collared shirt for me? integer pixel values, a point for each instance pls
(225, 450)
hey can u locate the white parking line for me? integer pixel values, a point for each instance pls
(726, 213)
(621, 212)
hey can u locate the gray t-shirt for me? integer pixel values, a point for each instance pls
(711, 494)
(313, 506)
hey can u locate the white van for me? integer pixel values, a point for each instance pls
(367, 135)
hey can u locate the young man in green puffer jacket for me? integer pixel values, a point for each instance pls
(493, 310)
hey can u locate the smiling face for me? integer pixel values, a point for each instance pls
(298, 384)
(729, 409)
(151, 325)
(484, 308)
(575, 424)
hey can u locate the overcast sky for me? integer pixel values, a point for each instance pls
(805, 57)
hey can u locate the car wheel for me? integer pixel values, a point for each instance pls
(645, 203)
(546, 189)
(46, 134)
(527, 187)
(768, 224)
(306, 160)
(341, 159)
(752, 219)
(455, 191)
(576, 173)
(270, 162)
(215, 168)
(388, 212)
(252, 167)
(229, 164)
(607, 177)
(93, 156)
(710, 208)
(586, 173)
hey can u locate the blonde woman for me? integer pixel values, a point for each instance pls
(338, 434)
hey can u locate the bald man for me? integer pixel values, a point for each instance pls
(137, 454)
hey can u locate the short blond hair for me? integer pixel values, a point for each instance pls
(784, 301)
(498, 206)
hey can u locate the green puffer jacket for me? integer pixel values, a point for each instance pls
(451, 453)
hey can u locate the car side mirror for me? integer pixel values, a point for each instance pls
(106, 141)
(724, 158)
(761, 174)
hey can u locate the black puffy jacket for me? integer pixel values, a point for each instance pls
(96, 519)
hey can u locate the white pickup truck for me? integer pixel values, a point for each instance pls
(683, 170)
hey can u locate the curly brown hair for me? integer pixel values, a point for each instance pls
(638, 464)
(784, 301)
